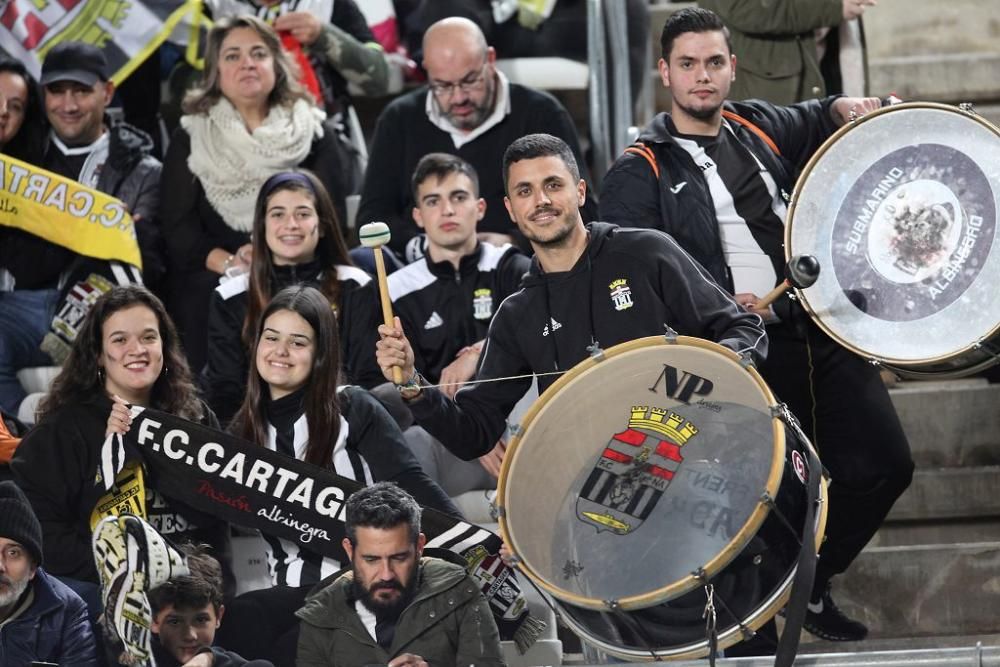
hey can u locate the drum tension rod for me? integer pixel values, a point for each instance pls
(968, 108)
(769, 501)
(595, 351)
(669, 334)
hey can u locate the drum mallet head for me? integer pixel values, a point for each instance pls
(802, 271)
(374, 234)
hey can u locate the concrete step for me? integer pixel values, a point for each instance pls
(942, 531)
(950, 77)
(924, 590)
(950, 423)
(950, 493)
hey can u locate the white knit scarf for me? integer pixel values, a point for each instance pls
(232, 163)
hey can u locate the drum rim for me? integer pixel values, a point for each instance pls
(906, 366)
(724, 555)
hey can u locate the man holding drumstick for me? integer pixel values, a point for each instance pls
(715, 175)
(565, 307)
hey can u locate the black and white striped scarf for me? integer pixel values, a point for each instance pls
(258, 488)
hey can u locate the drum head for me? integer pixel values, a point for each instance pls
(638, 469)
(900, 208)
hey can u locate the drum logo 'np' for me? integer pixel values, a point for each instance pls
(682, 385)
(634, 470)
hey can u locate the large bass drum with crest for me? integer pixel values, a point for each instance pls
(900, 209)
(651, 477)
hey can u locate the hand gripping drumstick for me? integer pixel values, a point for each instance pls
(800, 272)
(374, 235)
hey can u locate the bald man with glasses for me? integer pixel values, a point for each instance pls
(468, 109)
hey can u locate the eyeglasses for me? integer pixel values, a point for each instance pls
(473, 81)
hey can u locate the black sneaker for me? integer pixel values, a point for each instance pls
(825, 620)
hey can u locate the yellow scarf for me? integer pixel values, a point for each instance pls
(62, 211)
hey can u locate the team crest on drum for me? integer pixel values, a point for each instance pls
(621, 294)
(482, 303)
(635, 468)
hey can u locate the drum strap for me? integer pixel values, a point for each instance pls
(736, 118)
(646, 153)
(795, 611)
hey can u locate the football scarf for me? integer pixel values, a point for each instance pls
(254, 487)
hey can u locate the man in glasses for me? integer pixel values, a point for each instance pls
(469, 109)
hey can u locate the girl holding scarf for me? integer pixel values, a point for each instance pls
(294, 405)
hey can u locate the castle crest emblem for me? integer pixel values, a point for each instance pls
(482, 303)
(635, 468)
(621, 294)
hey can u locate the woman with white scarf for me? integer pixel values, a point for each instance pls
(247, 120)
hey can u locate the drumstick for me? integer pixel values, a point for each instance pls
(800, 273)
(374, 235)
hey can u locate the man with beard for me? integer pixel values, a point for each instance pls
(41, 619)
(469, 109)
(716, 176)
(394, 607)
(566, 309)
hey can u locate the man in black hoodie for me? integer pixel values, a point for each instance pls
(564, 307)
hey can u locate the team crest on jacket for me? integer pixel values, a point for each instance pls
(634, 470)
(482, 303)
(621, 294)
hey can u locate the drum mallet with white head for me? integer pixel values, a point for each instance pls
(374, 235)
(800, 272)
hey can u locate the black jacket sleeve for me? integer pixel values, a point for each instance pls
(471, 425)
(798, 130)
(358, 332)
(375, 435)
(383, 193)
(51, 465)
(184, 232)
(226, 371)
(511, 271)
(701, 308)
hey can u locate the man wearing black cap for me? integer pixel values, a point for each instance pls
(40, 280)
(41, 620)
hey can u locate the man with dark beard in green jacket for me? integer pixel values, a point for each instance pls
(394, 607)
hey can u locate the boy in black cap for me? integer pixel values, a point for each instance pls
(40, 618)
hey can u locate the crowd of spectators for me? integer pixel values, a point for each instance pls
(253, 313)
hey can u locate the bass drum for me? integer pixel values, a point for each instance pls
(900, 208)
(648, 475)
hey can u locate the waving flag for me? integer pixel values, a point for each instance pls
(127, 30)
